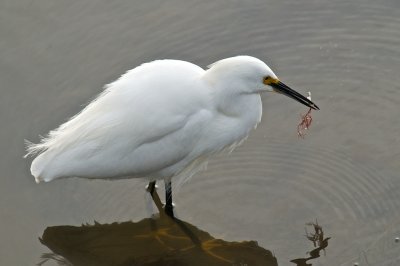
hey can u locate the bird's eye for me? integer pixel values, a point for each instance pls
(267, 80)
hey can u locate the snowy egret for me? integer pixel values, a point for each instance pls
(160, 120)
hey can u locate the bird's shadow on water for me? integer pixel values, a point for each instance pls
(161, 240)
(150, 241)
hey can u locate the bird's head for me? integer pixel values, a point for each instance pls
(251, 75)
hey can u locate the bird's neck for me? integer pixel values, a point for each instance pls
(239, 105)
(239, 111)
(232, 100)
(236, 117)
(243, 111)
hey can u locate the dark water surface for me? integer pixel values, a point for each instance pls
(56, 55)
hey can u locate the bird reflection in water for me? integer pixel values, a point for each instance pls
(319, 242)
(162, 240)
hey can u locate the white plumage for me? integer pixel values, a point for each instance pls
(157, 121)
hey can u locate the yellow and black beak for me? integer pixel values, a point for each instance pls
(281, 87)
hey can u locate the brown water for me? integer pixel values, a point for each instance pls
(57, 55)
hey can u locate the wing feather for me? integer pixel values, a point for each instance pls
(145, 121)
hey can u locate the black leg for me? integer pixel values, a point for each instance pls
(168, 199)
(151, 187)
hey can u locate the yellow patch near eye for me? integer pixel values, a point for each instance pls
(270, 80)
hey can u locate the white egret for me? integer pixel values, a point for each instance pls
(160, 120)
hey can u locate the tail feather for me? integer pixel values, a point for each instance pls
(38, 167)
(38, 179)
(33, 148)
(40, 162)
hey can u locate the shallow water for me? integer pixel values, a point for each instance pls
(56, 56)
